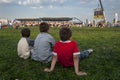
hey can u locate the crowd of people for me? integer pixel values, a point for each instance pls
(56, 24)
(45, 49)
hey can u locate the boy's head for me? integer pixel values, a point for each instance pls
(44, 27)
(25, 32)
(65, 34)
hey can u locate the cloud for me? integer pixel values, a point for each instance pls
(42, 2)
(34, 7)
(6, 1)
(62, 1)
(40, 7)
(38, 4)
(29, 2)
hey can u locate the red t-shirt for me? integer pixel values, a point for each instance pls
(65, 51)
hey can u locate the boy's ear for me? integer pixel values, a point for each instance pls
(71, 38)
(48, 31)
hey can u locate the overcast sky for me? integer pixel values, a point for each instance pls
(82, 9)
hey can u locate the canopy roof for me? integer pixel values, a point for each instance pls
(46, 19)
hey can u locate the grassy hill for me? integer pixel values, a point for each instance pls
(103, 64)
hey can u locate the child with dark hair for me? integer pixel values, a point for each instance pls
(44, 27)
(25, 44)
(44, 44)
(67, 53)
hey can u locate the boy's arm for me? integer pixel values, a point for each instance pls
(30, 42)
(51, 46)
(54, 60)
(76, 66)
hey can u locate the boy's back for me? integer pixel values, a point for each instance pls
(44, 43)
(65, 51)
(42, 47)
(23, 48)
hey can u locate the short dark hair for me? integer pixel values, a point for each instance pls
(25, 32)
(44, 27)
(65, 34)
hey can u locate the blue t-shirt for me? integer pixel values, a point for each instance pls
(42, 48)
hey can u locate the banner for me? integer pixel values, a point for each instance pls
(98, 13)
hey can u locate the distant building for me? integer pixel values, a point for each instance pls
(53, 21)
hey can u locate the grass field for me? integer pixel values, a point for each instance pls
(103, 64)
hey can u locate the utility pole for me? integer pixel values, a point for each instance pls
(101, 5)
(103, 11)
(116, 18)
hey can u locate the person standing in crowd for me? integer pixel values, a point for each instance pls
(0, 25)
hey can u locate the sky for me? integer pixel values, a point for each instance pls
(82, 9)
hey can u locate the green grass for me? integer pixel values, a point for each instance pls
(103, 64)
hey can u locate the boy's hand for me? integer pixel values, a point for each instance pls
(47, 70)
(81, 73)
(54, 60)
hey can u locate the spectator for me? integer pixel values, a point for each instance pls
(25, 44)
(67, 52)
(44, 44)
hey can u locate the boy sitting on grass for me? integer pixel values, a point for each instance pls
(25, 44)
(67, 53)
(44, 44)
